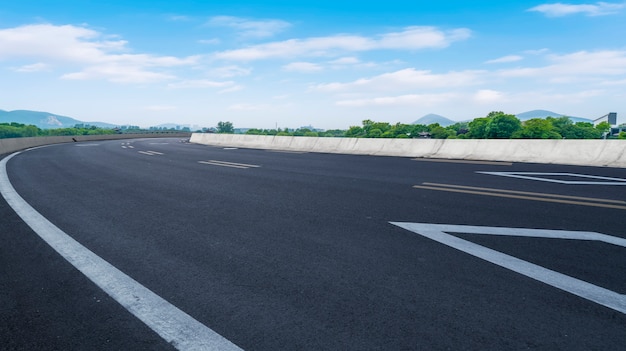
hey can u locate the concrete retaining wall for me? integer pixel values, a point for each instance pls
(15, 144)
(610, 153)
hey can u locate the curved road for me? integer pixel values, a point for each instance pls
(304, 251)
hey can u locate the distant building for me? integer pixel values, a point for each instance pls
(610, 117)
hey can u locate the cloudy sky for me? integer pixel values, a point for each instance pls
(329, 64)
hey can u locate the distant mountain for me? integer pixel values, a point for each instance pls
(524, 116)
(45, 120)
(433, 118)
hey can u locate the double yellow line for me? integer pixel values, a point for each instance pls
(523, 195)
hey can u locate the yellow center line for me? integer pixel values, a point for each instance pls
(526, 193)
(521, 197)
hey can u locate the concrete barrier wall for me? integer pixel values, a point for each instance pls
(610, 153)
(15, 144)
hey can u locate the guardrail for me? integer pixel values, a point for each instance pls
(15, 144)
(610, 153)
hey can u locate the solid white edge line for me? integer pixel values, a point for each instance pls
(558, 280)
(172, 324)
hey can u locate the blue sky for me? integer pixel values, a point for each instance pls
(329, 64)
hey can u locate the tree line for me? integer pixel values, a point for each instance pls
(496, 125)
(19, 130)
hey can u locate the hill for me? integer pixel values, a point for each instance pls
(45, 120)
(524, 116)
(433, 118)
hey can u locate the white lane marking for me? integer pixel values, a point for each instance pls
(287, 151)
(476, 162)
(561, 281)
(542, 177)
(228, 164)
(172, 324)
(150, 153)
(83, 145)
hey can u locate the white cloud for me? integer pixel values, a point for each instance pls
(232, 89)
(561, 10)
(537, 52)
(409, 78)
(200, 84)
(248, 107)
(578, 66)
(35, 67)
(230, 71)
(487, 96)
(250, 28)
(92, 55)
(213, 41)
(506, 59)
(118, 74)
(63, 43)
(412, 38)
(547, 97)
(615, 82)
(179, 18)
(345, 61)
(420, 38)
(160, 108)
(303, 67)
(424, 100)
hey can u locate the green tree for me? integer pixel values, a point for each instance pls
(375, 129)
(30, 131)
(439, 132)
(501, 126)
(416, 129)
(478, 128)
(355, 132)
(581, 130)
(333, 133)
(604, 128)
(537, 128)
(7, 131)
(375, 133)
(563, 125)
(400, 130)
(225, 127)
(459, 127)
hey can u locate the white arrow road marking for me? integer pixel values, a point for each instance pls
(575, 286)
(172, 324)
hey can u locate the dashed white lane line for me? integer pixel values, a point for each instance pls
(150, 153)
(228, 164)
(172, 324)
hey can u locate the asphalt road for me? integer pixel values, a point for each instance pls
(295, 251)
